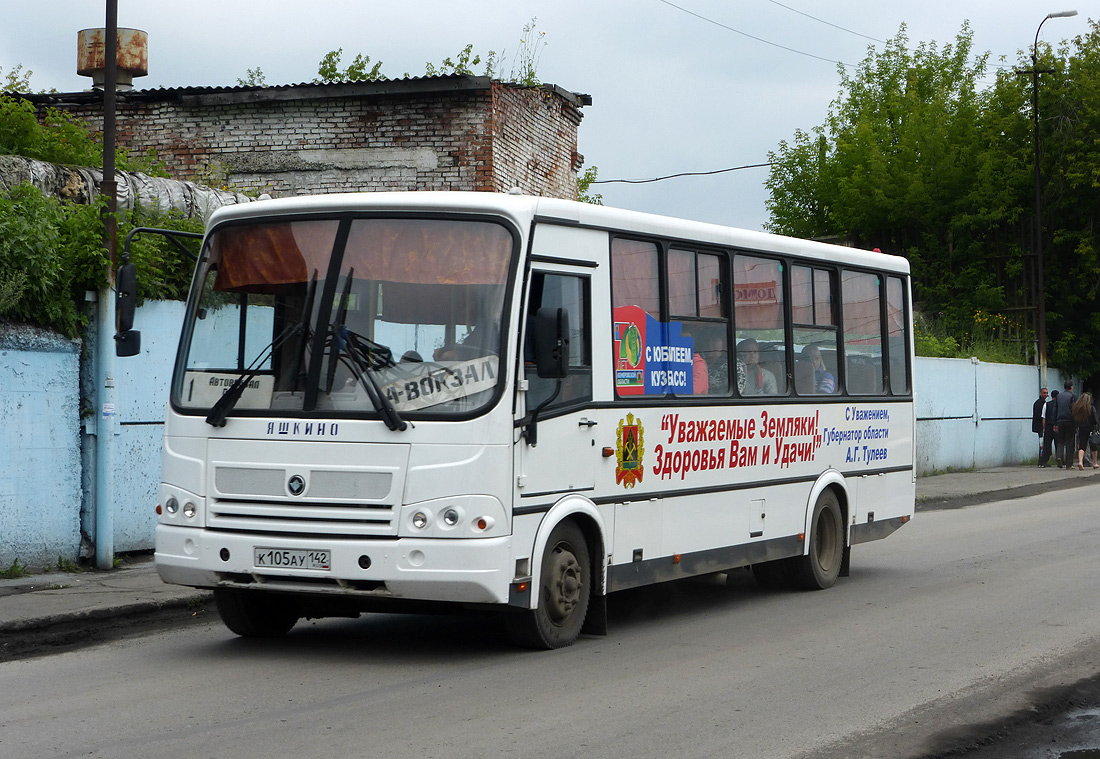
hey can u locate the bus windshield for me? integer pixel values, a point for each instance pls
(349, 316)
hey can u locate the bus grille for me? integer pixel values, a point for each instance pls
(332, 502)
(323, 484)
(328, 519)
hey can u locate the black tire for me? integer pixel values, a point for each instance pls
(255, 615)
(563, 593)
(819, 568)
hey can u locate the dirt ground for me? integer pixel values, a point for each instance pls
(1063, 724)
(80, 634)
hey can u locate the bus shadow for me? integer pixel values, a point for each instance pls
(428, 638)
(373, 636)
(680, 599)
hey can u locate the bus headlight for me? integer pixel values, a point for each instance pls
(189, 509)
(172, 505)
(455, 516)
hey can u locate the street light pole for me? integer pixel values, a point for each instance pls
(1042, 306)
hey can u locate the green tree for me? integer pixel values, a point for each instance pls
(47, 258)
(51, 252)
(463, 63)
(255, 78)
(1069, 111)
(894, 166)
(58, 137)
(584, 187)
(15, 80)
(916, 159)
(329, 72)
(524, 64)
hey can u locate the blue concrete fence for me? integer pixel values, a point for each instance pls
(40, 474)
(971, 413)
(968, 414)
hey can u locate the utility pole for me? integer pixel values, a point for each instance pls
(1041, 326)
(107, 424)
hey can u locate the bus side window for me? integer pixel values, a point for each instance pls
(861, 292)
(760, 326)
(813, 305)
(896, 320)
(571, 293)
(696, 296)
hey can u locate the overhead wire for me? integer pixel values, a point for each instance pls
(765, 42)
(680, 174)
(732, 168)
(827, 23)
(751, 36)
(791, 49)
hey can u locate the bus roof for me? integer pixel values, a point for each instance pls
(525, 209)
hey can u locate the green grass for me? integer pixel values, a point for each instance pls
(15, 571)
(949, 470)
(69, 567)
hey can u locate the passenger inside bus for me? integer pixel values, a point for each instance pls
(714, 348)
(700, 379)
(818, 378)
(757, 379)
(711, 357)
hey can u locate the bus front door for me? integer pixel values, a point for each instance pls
(559, 449)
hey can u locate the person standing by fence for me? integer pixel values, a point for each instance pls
(1037, 421)
(1084, 418)
(1064, 427)
(1049, 443)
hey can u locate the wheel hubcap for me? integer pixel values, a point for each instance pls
(563, 584)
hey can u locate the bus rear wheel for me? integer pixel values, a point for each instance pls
(255, 615)
(819, 568)
(565, 588)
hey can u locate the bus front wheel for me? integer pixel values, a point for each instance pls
(255, 615)
(819, 568)
(564, 590)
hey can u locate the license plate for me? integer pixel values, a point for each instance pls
(292, 558)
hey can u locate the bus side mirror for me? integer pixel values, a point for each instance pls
(552, 343)
(127, 339)
(125, 297)
(127, 343)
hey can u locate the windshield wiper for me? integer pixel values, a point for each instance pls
(225, 404)
(307, 311)
(335, 329)
(365, 357)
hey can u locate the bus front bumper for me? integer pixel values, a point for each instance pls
(466, 570)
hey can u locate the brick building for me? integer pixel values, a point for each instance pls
(455, 132)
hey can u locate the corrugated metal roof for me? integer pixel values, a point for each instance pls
(304, 90)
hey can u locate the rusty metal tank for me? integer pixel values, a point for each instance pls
(132, 55)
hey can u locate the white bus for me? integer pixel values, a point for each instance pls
(388, 400)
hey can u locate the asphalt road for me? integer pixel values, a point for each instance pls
(953, 631)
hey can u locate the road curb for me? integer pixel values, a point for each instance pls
(1007, 494)
(116, 613)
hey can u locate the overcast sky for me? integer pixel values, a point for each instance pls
(677, 85)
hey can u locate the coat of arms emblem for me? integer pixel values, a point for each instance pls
(629, 450)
